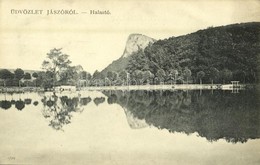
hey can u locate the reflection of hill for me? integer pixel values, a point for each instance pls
(234, 117)
(134, 122)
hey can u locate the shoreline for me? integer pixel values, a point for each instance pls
(137, 87)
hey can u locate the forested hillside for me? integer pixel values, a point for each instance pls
(218, 54)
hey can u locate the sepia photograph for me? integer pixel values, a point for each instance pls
(130, 82)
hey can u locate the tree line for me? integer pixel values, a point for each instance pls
(57, 70)
(18, 78)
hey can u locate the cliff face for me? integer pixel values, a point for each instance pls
(133, 43)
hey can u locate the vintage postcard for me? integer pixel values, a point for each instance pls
(130, 82)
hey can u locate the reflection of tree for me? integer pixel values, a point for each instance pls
(13, 102)
(112, 99)
(5, 104)
(214, 116)
(35, 103)
(85, 100)
(27, 101)
(19, 105)
(99, 100)
(58, 109)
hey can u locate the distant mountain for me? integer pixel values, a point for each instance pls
(133, 43)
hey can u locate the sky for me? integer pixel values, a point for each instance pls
(94, 41)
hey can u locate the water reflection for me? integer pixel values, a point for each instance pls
(59, 109)
(218, 115)
(27, 101)
(99, 100)
(5, 104)
(85, 101)
(213, 115)
(35, 103)
(19, 105)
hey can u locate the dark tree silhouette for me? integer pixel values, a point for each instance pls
(19, 105)
(27, 101)
(5, 104)
(19, 74)
(6, 75)
(35, 103)
(85, 100)
(99, 100)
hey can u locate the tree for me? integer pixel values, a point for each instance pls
(200, 75)
(147, 75)
(112, 75)
(161, 75)
(123, 75)
(187, 74)
(213, 74)
(19, 74)
(239, 75)
(40, 79)
(226, 75)
(35, 75)
(96, 75)
(138, 61)
(56, 63)
(70, 76)
(137, 76)
(174, 72)
(27, 76)
(6, 75)
(47, 79)
(88, 77)
(83, 75)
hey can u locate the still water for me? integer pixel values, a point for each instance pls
(131, 127)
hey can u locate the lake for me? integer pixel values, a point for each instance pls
(131, 127)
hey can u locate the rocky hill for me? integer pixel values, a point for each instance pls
(221, 54)
(133, 44)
